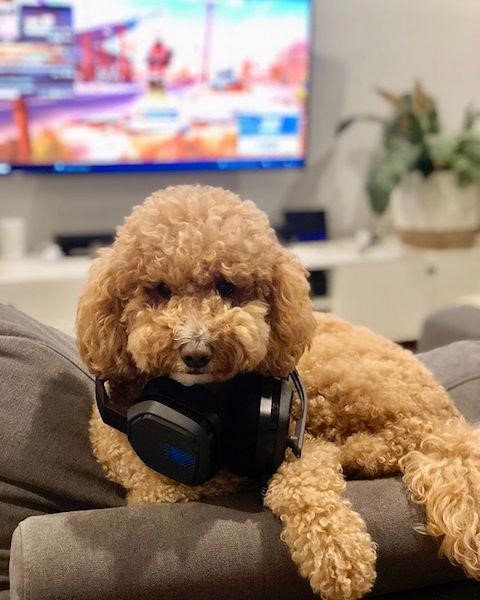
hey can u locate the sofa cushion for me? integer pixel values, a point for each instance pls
(450, 324)
(458, 590)
(45, 461)
(457, 367)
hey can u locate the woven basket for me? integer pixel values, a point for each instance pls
(438, 239)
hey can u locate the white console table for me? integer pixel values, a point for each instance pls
(388, 287)
(47, 290)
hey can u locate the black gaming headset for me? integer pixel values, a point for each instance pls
(188, 433)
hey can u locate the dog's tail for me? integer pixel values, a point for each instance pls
(444, 475)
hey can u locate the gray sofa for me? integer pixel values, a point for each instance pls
(449, 324)
(75, 538)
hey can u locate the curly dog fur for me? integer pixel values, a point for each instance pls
(197, 266)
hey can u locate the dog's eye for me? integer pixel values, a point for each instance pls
(163, 291)
(224, 288)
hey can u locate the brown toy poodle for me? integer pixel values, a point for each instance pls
(196, 269)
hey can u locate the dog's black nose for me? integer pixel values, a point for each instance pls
(196, 357)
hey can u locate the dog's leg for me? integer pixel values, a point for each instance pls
(441, 466)
(444, 475)
(378, 454)
(328, 540)
(370, 455)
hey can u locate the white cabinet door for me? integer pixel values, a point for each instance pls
(388, 297)
(452, 274)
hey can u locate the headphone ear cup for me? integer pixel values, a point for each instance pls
(273, 425)
(257, 436)
(240, 440)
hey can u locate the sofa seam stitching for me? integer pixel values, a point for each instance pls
(456, 384)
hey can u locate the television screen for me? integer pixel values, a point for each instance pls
(100, 85)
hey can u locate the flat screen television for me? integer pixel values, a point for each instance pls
(127, 85)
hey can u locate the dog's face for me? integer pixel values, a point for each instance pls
(199, 330)
(195, 287)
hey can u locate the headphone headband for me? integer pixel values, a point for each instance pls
(295, 442)
(109, 413)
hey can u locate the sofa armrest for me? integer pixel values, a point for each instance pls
(174, 551)
(230, 549)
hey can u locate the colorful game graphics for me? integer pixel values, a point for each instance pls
(171, 84)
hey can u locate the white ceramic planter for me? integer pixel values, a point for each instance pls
(435, 211)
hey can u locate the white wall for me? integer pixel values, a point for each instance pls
(358, 44)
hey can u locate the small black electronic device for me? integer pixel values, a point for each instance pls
(83, 244)
(188, 433)
(304, 226)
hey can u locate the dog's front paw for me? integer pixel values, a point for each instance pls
(335, 552)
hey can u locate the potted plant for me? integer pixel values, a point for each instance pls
(430, 178)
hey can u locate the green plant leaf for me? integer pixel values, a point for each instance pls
(404, 126)
(387, 172)
(470, 146)
(429, 123)
(441, 149)
(467, 171)
(470, 118)
(346, 123)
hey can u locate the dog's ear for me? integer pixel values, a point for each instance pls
(291, 316)
(101, 337)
